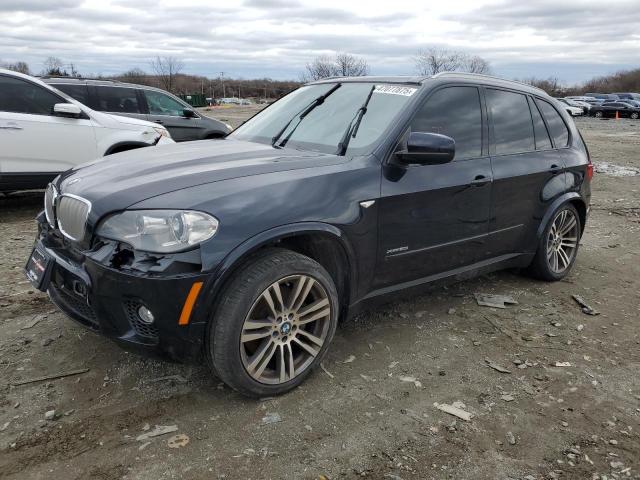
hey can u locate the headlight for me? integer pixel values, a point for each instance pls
(159, 231)
(163, 132)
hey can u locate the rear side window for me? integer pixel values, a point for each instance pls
(543, 142)
(117, 99)
(512, 125)
(20, 96)
(557, 127)
(77, 92)
(455, 112)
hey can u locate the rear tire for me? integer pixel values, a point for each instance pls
(274, 323)
(598, 114)
(558, 245)
(635, 115)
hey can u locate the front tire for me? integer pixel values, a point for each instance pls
(635, 115)
(275, 321)
(598, 115)
(558, 245)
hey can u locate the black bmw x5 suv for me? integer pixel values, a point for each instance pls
(246, 252)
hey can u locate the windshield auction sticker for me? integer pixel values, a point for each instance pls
(395, 90)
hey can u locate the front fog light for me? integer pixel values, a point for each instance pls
(145, 315)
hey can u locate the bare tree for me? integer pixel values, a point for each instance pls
(166, 69)
(54, 66)
(342, 65)
(20, 67)
(135, 75)
(550, 85)
(435, 60)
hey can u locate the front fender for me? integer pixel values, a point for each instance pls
(232, 260)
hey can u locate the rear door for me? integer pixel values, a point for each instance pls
(123, 101)
(35, 142)
(169, 112)
(527, 171)
(433, 218)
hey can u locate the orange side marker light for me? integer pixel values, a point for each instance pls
(185, 316)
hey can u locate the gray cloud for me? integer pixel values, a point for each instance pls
(277, 37)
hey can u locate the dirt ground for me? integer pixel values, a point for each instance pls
(370, 413)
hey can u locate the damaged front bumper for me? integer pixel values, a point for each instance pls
(104, 289)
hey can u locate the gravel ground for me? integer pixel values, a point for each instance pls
(569, 408)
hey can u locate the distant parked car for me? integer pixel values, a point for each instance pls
(582, 98)
(583, 106)
(145, 103)
(572, 110)
(628, 96)
(604, 96)
(609, 109)
(633, 103)
(43, 132)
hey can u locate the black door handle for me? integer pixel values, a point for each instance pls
(158, 121)
(479, 181)
(554, 168)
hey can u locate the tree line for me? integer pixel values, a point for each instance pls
(168, 73)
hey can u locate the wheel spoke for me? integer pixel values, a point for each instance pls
(317, 340)
(255, 324)
(276, 289)
(567, 243)
(254, 335)
(267, 298)
(292, 369)
(282, 369)
(262, 358)
(299, 300)
(568, 226)
(564, 258)
(554, 261)
(316, 316)
(309, 348)
(313, 307)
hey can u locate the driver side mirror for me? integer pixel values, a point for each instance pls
(188, 113)
(428, 149)
(67, 110)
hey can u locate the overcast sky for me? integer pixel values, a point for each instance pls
(571, 39)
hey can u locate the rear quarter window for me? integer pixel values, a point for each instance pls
(118, 100)
(77, 92)
(557, 128)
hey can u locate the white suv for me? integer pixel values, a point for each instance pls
(44, 132)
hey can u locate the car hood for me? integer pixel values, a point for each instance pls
(121, 180)
(121, 122)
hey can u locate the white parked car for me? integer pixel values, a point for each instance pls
(44, 132)
(571, 109)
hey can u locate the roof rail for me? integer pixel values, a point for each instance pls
(482, 75)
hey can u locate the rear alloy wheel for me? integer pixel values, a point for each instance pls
(558, 246)
(598, 115)
(635, 115)
(275, 321)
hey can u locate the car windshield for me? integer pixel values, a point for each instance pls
(324, 126)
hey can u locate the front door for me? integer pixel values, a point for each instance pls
(433, 218)
(169, 112)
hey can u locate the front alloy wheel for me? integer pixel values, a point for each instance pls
(273, 324)
(285, 329)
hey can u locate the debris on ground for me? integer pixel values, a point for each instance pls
(53, 376)
(511, 438)
(169, 378)
(35, 320)
(495, 301)
(157, 431)
(584, 306)
(270, 418)
(178, 441)
(50, 415)
(455, 409)
(495, 366)
(350, 359)
(322, 367)
(507, 398)
(562, 364)
(411, 380)
(616, 170)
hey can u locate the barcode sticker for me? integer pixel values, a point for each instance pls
(395, 90)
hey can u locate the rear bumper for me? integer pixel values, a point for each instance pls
(106, 301)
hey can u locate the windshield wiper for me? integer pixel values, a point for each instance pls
(354, 124)
(300, 116)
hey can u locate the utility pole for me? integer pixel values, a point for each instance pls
(222, 80)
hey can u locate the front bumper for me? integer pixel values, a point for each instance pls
(106, 301)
